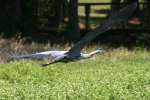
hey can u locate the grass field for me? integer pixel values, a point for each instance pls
(116, 75)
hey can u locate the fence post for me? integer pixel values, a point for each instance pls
(87, 15)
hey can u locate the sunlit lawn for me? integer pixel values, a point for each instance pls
(93, 1)
(115, 75)
(95, 16)
(93, 8)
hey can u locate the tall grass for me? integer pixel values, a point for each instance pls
(19, 46)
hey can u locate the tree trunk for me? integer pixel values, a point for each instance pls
(115, 5)
(18, 16)
(148, 12)
(35, 14)
(74, 32)
(18, 8)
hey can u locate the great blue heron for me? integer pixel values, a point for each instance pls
(75, 52)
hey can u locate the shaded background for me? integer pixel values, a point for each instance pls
(68, 20)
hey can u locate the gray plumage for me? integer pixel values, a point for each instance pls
(53, 54)
(40, 55)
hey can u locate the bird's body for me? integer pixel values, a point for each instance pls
(74, 53)
(54, 54)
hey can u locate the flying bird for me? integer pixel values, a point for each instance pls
(54, 54)
(75, 52)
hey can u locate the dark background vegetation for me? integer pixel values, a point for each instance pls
(58, 21)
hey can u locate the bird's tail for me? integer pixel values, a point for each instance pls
(16, 57)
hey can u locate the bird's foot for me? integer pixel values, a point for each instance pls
(45, 65)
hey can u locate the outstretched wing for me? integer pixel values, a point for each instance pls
(41, 55)
(120, 16)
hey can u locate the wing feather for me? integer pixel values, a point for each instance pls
(120, 16)
(40, 55)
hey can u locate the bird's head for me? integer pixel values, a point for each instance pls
(99, 50)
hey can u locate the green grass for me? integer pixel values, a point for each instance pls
(116, 75)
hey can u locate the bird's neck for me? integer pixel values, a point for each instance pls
(93, 53)
(90, 54)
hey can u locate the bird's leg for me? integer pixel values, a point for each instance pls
(54, 61)
(44, 65)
